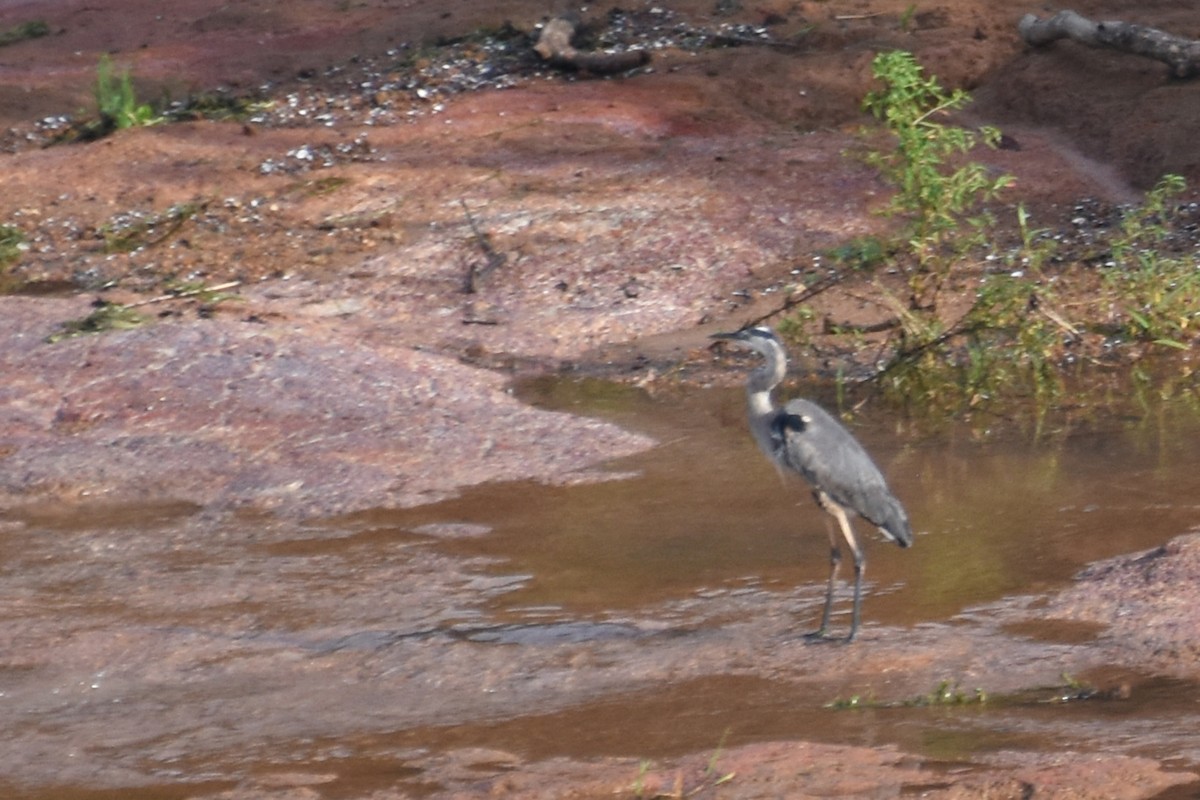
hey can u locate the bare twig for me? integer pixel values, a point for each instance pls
(820, 287)
(188, 293)
(492, 258)
(1059, 321)
(853, 327)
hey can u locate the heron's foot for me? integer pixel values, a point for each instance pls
(823, 636)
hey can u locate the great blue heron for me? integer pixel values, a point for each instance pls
(804, 438)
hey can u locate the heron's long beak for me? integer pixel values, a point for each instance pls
(735, 335)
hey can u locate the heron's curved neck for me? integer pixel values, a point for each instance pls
(763, 380)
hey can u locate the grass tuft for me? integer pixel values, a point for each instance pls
(34, 29)
(105, 317)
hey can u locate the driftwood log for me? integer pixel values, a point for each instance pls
(554, 45)
(1181, 55)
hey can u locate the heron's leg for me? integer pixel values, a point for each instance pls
(860, 563)
(860, 566)
(835, 562)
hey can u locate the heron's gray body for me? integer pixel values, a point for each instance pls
(809, 440)
(802, 437)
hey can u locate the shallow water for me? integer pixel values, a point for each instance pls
(187, 620)
(706, 510)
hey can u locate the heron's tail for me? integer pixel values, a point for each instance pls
(895, 526)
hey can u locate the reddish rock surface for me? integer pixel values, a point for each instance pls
(1146, 607)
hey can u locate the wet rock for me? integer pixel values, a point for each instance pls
(784, 769)
(1147, 604)
(229, 414)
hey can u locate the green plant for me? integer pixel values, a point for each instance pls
(938, 202)
(1145, 227)
(852, 702)
(1005, 332)
(795, 326)
(26, 30)
(639, 782)
(712, 778)
(1007, 341)
(1156, 297)
(116, 100)
(1014, 342)
(710, 770)
(1008, 344)
(215, 105)
(12, 244)
(861, 252)
(946, 693)
(1037, 248)
(106, 317)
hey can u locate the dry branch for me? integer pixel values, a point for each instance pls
(201, 290)
(1181, 55)
(554, 45)
(493, 259)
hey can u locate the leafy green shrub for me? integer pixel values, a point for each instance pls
(12, 243)
(116, 100)
(939, 203)
(1001, 345)
(1155, 297)
(1007, 334)
(12, 246)
(26, 30)
(105, 317)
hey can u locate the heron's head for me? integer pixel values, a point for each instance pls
(758, 338)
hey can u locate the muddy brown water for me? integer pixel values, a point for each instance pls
(164, 651)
